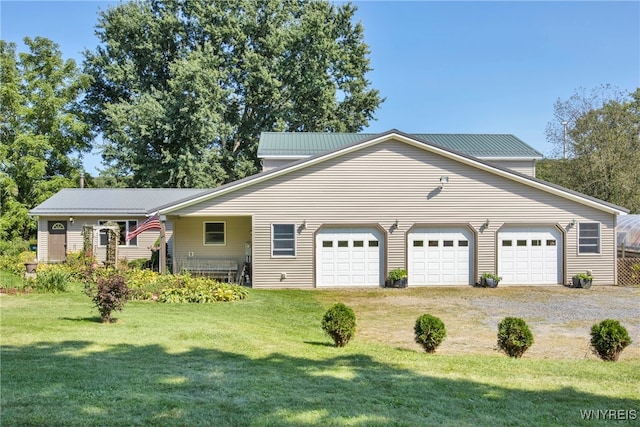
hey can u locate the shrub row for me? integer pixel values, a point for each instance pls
(608, 338)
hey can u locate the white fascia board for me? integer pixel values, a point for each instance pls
(489, 158)
(408, 140)
(285, 157)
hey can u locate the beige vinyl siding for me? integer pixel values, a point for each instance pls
(146, 240)
(526, 167)
(268, 164)
(189, 240)
(381, 183)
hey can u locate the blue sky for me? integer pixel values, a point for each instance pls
(443, 67)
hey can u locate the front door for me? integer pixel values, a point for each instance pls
(57, 241)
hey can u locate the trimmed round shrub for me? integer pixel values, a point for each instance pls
(429, 332)
(339, 322)
(608, 339)
(514, 336)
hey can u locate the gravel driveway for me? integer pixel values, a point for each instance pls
(568, 314)
(560, 318)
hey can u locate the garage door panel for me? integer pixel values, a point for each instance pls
(440, 256)
(348, 257)
(358, 267)
(357, 255)
(530, 255)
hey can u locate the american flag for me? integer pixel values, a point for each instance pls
(152, 223)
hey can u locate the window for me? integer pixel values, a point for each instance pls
(125, 227)
(373, 243)
(343, 243)
(507, 243)
(521, 242)
(418, 243)
(447, 243)
(433, 243)
(463, 243)
(283, 240)
(358, 243)
(551, 242)
(214, 233)
(536, 242)
(327, 243)
(589, 238)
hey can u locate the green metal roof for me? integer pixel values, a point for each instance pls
(304, 144)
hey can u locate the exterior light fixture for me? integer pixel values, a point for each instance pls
(444, 179)
(486, 223)
(71, 219)
(573, 222)
(396, 224)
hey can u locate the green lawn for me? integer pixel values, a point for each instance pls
(265, 361)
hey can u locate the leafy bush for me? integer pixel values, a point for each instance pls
(200, 290)
(608, 339)
(80, 263)
(13, 247)
(108, 294)
(137, 264)
(143, 284)
(514, 336)
(14, 262)
(429, 332)
(52, 279)
(339, 322)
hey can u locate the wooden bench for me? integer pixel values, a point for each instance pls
(213, 267)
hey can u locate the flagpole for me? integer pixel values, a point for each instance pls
(163, 247)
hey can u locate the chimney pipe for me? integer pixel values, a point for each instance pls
(81, 179)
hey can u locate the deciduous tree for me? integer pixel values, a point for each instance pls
(182, 89)
(603, 138)
(41, 127)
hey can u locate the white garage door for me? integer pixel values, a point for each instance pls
(440, 256)
(530, 255)
(349, 257)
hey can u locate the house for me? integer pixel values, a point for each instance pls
(347, 212)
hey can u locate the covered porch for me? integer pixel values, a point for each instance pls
(213, 246)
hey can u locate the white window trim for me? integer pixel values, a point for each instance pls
(122, 244)
(599, 240)
(295, 240)
(224, 233)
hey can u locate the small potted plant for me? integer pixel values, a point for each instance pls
(29, 260)
(397, 278)
(490, 280)
(582, 280)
